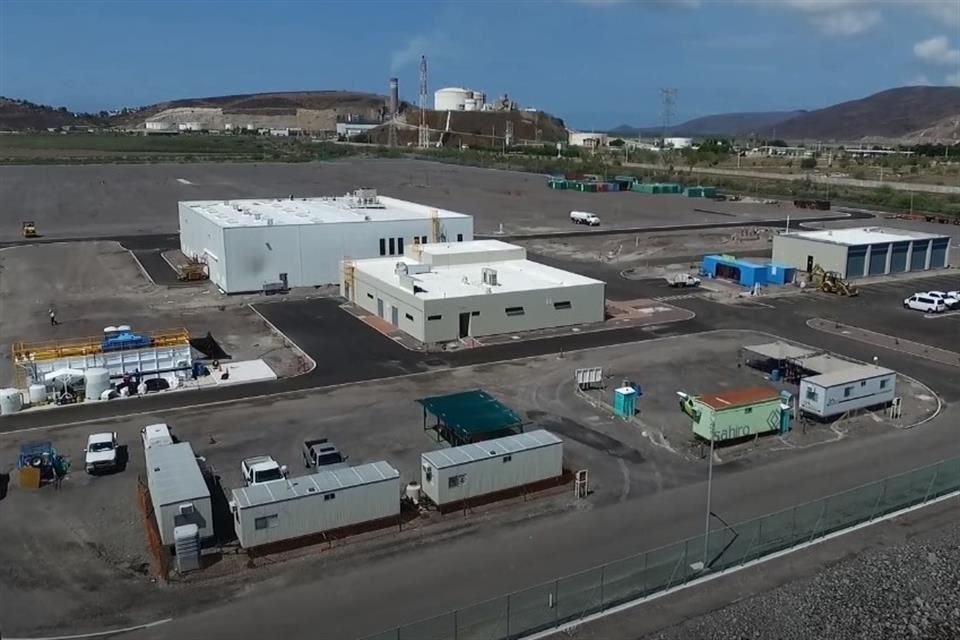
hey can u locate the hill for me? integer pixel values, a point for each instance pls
(723, 124)
(895, 113)
(21, 115)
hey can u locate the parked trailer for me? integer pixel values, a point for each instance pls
(178, 490)
(316, 503)
(451, 476)
(860, 386)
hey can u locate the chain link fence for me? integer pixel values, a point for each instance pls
(573, 597)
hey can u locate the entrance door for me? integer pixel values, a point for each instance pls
(379, 307)
(809, 264)
(395, 316)
(464, 324)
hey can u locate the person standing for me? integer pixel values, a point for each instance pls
(53, 317)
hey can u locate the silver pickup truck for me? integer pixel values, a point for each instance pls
(321, 455)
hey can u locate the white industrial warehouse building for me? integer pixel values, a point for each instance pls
(861, 252)
(252, 245)
(447, 291)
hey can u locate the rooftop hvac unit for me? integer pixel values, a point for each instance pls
(186, 509)
(490, 276)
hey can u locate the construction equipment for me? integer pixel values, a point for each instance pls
(832, 282)
(29, 229)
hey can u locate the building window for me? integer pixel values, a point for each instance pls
(393, 246)
(811, 393)
(455, 481)
(847, 391)
(474, 313)
(459, 237)
(514, 311)
(423, 239)
(748, 410)
(863, 383)
(383, 247)
(507, 458)
(370, 295)
(562, 305)
(416, 239)
(399, 246)
(883, 384)
(329, 496)
(437, 317)
(266, 522)
(408, 317)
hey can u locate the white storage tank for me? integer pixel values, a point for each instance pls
(10, 401)
(38, 394)
(451, 99)
(97, 381)
(452, 476)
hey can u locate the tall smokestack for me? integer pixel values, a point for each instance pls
(394, 96)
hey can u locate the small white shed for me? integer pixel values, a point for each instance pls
(178, 490)
(851, 388)
(323, 501)
(467, 472)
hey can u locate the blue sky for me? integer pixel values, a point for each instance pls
(596, 63)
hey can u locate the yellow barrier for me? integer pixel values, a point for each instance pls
(24, 352)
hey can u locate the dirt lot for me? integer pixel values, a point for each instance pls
(92, 285)
(120, 200)
(84, 546)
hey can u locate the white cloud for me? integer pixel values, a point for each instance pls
(848, 22)
(947, 12)
(952, 79)
(937, 50)
(435, 46)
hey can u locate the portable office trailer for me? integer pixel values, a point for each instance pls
(316, 503)
(463, 473)
(857, 387)
(178, 490)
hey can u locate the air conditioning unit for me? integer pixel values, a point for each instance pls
(489, 276)
(186, 509)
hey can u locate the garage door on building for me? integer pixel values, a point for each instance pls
(918, 262)
(898, 260)
(856, 261)
(938, 255)
(878, 259)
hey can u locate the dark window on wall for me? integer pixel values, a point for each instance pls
(383, 247)
(434, 317)
(459, 237)
(514, 311)
(393, 246)
(423, 239)
(408, 317)
(562, 305)
(474, 313)
(399, 246)
(370, 295)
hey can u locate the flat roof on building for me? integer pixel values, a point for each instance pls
(313, 484)
(173, 474)
(863, 235)
(468, 453)
(739, 397)
(351, 208)
(780, 350)
(824, 363)
(466, 278)
(853, 373)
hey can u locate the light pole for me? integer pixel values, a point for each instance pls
(706, 532)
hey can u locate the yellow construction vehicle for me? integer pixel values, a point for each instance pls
(29, 229)
(832, 282)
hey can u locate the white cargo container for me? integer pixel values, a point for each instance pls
(851, 388)
(178, 490)
(315, 503)
(449, 476)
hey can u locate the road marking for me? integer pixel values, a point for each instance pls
(713, 576)
(183, 181)
(100, 634)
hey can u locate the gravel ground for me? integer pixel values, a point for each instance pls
(911, 590)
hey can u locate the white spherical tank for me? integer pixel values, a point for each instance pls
(450, 99)
(38, 394)
(97, 381)
(10, 401)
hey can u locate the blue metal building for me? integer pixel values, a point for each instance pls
(745, 272)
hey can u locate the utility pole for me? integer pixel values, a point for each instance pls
(423, 133)
(668, 100)
(706, 531)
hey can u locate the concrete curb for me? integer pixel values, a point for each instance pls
(100, 634)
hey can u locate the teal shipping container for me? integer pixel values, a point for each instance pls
(625, 402)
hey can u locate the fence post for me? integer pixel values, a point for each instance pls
(508, 615)
(883, 494)
(603, 573)
(793, 526)
(556, 601)
(823, 512)
(933, 481)
(456, 625)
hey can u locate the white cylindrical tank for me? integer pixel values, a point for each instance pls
(123, 327)
(38, 394)
(10, 401)
(110, 329)
(97, 381)
(413, 492)
(450, 99)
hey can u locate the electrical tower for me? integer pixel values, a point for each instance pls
(423, 137)
(668, 100)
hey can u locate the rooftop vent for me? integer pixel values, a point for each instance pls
(364, 199)
(490, 276)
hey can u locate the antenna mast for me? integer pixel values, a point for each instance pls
(668, 100)
(423, 138)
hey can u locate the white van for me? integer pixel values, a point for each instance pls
(155, 435)
(922, 302)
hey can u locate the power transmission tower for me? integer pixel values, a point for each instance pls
(423, 138)
(668, 100)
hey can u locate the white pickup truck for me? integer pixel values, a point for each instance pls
(261, 469)
(101, 452)
(683, 280)
(583, 217)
